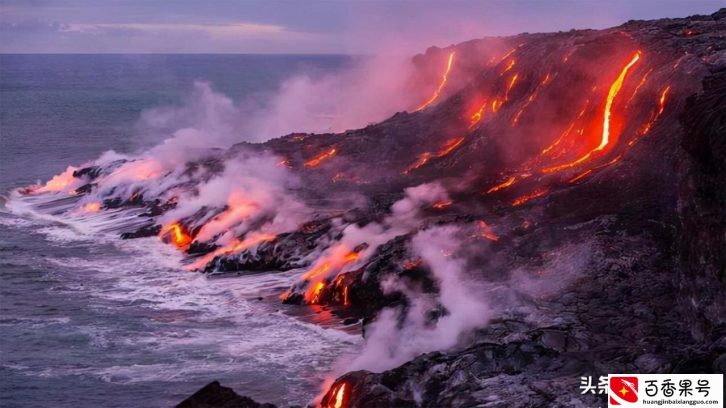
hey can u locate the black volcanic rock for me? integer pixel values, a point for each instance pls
(702, 200)
(652, 298)
(214, 395)
(602, 259)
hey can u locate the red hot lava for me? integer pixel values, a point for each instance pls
(176, 234)
(442, 84)
(315, 161)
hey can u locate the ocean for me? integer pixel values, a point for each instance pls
(89, 320)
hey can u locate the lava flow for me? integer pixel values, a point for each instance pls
(424, 157)
(606, 135)
(485, 231)
(531, 99)
(336, 397)
(442, 84)
(526, 198)
(234, 247)
(176, 234)
(506, 183)
(92, 207)
(61, 182)
(315, 161)
(477, 116)
(339, 257)
(661, 107)
(449, 146)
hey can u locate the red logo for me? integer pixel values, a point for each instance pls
(623, 390)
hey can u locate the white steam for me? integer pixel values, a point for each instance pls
(392, 341)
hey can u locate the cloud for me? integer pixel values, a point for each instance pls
(236, 29)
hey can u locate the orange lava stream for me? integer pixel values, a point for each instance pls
(422, 159)
(487, 232)
(440, 205)
(335, 261)
(637, 88)
(510, 86)
(509, 66)
(478, 115)
(580, 176)
(614, 89)
(662, 100)
(523, 199)
(508, 182)
(505, 56)
(346, 302)
(59, 182)
(339, 258)
(339, 397)
(92, 207)
(605, 139)
(315, 161)
(568, 130)
(531, 99)
(234, 247)
(313, 296)
(177, 235)
(444, 78)
(450, 146)
(661, 107)
(496, 104)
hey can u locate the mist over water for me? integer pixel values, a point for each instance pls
(90, 320)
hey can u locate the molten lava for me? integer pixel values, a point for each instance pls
(580, 176)
(313, 296)
(412, 263)
(510, 86)
(338, 396)
(92, 207)
(60, 182)
(485, 231)
(524, 199)
(614, 89)
(239, 207)
(442, 84)
(477, 116)
(662, 100)
(509, 66)
(449, 146)
(606, 136)
(440, 205)
(338, 258)
(315, 161)
(346, 301)
(506, 183)
(640, 85)
(234, 247)
(177, 235)
(567, 131)
(496, 104)
(661, 107)
(531, 99)
(422, 159)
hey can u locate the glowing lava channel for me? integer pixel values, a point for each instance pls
(315, 161)
(444, 78)
(605, 139)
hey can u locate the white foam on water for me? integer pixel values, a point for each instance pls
(206, 327)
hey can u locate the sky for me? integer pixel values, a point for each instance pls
(302, 27)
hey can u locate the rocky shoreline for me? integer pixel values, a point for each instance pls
(554, 211)
(652, 297)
